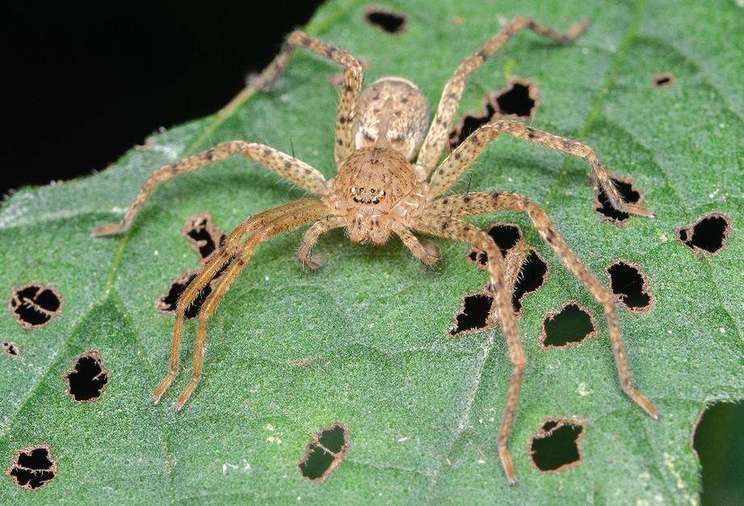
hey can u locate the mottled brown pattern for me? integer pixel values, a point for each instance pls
(383, 188)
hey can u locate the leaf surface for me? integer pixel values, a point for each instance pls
(365, 340)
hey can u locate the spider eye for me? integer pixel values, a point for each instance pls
(372, 190)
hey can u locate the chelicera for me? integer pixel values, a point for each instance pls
(389, 183)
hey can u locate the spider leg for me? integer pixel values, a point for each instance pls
(218, 261)
(279, 225)
(424, 250)
(286, 166)
(310, 239)
(438, 134)
(444, 226)
(351, 86)
(450, 170)
(480, 203)
(514, 261)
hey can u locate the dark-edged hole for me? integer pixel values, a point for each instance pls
(33, 467)
(627, 192)
(385, 19)
(707, 235)
(35, 305)
(325, 452)
(87, 378)
(204, 237)
(556, 446)
(719, 444)
(518, 99)
(531, 277)
(630, 285)
(570, 325)
(504, 235)
(470, 123)
(473, 314)
(663, 80)
(167, 303)
(10, 348)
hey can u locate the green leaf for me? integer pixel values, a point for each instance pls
(365, 340)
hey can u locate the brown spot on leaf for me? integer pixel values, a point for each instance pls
(663, 80)
(35, 305)
(707, 235)
(325, 452)
(10, 348)
(557, 445)
(33, 467)
(87, 377)
(630, 285)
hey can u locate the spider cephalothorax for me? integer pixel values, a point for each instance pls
(375, 188)
(390, 182)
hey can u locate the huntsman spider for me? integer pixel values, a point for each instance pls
(389, 183)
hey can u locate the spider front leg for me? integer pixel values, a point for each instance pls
(480, 203)
(444, 226)
(438, 134)
(288, 167)
(450, 170)
(351, 85)
(310, 239)
(424, 250)
(262, 226)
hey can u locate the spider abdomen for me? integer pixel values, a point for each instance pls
(392, 112)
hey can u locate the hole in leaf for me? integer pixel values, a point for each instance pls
(33, 467)
(385, 19)
(556, 446)
(35, 305)
(627, 192)
(571, 325)
(663, 80)
(519, 98)
(206, 240)
(10, 348)
(325, 452)
(531, 277)
(201, 232)
(473, 315)
(630, 285)
(504, 235)
(87, 378)
(707, 235)
(167, 303)
(719, 444)
(471, 122)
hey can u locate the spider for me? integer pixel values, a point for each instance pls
(389, 183)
